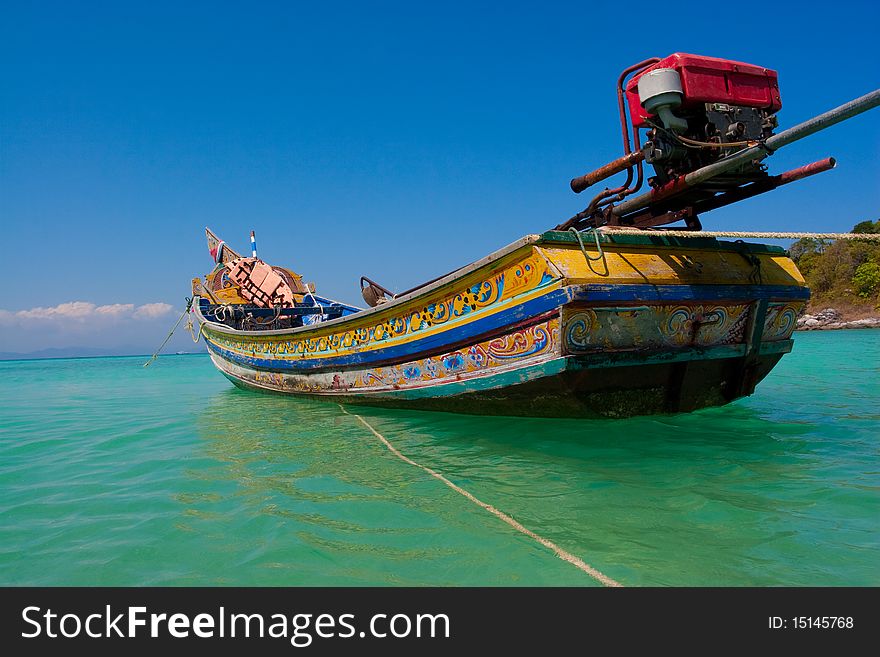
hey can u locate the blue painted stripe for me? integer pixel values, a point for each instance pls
(475, 384)
(325, 301)
(624, 293)
(440, 342)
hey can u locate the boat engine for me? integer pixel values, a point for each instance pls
(697, 109)
(705, 125)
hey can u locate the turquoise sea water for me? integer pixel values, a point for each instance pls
(114, 474)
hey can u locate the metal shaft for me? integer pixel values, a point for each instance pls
(805, 129)
(625, 162)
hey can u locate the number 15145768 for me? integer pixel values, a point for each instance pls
(811, 623)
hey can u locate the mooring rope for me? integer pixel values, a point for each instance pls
(868, 237)
(189, 326)
(168, 337)
(562, 554)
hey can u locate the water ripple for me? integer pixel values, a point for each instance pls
(112, 474)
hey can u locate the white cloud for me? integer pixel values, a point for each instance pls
(153, 310)
(115, 309)
(69, 310)
(83, 311)
(111, 327)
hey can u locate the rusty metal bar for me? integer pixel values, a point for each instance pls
(648, 218)
(807, 170)
(621, 103)
(624, 190)
(742, 193)
(616, 166)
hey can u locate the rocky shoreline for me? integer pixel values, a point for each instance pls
(831, 319)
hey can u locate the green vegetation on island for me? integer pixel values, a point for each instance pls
(844, 274)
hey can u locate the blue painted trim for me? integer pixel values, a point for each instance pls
(438, 343)
(326, 301)
(688, 292)
(440, 390)
(489, 382)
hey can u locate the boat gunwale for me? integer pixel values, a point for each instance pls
(658, 239)
(573, 296)
(548, 237)
(528, 240)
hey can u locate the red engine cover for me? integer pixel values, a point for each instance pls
(712, 80)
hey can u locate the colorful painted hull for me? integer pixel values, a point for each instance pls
(654, 324)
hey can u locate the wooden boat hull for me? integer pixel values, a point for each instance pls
(653, 324)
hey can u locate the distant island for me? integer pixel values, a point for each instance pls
(844, 279)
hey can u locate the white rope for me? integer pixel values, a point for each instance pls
(869, 237)
(167, 337)
(562, 554)
(189, 326)
(314, 319)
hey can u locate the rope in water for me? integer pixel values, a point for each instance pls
(562, 554)
(869, 237)
(168, 337)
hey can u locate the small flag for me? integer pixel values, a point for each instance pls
(253, 245)
(217, 251)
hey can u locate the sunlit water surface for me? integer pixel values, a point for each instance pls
(118, 475)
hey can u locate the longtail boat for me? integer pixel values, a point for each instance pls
(606, 315)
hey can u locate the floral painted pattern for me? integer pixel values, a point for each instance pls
(534, 343)
(523, 276)
(654, 327)
(781, 320)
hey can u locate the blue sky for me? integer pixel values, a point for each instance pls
(396, 140)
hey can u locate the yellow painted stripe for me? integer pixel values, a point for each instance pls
(669, 266)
